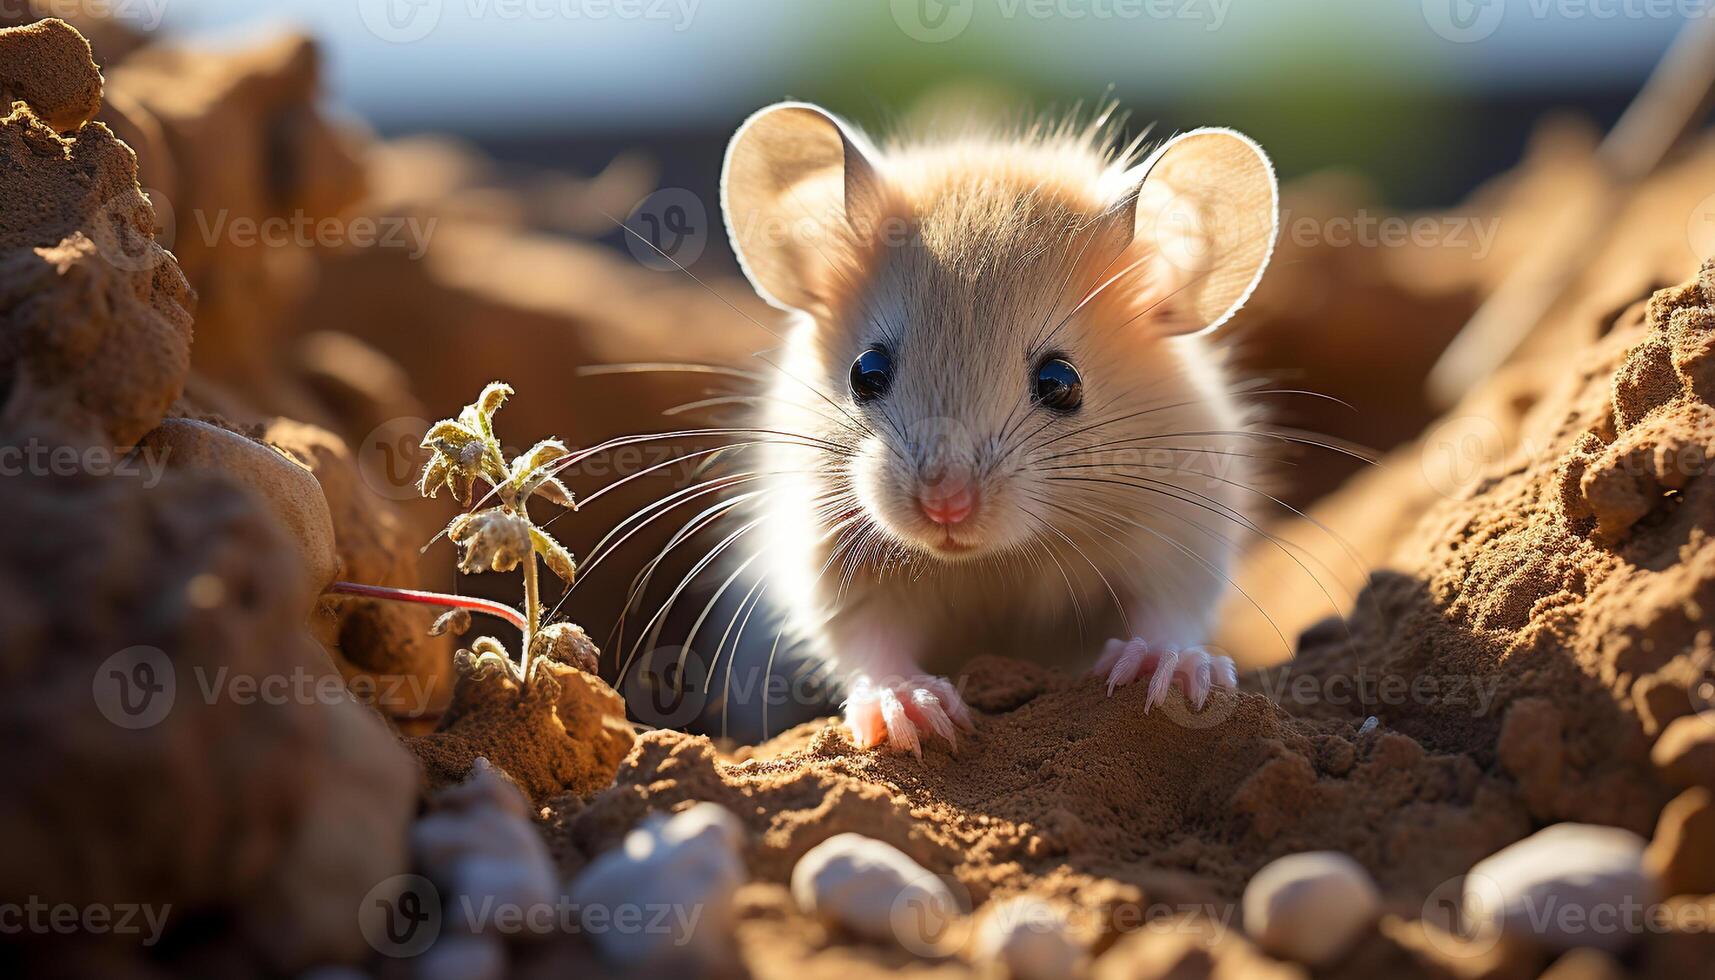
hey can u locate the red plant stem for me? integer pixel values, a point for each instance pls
(472, 603)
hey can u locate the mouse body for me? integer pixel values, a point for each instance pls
(999, 423)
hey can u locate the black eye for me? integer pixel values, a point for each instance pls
(1058, 386)
(872, 374)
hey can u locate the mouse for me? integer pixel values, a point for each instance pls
(1002, 422)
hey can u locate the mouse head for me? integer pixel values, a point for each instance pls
(981, 312)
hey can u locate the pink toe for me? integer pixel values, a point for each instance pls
(925, 709)
(952, 703)
(1225, 673)
(901, 731)
(1162, 679)
(1132, 662)
(1110, 655)
(1196, 670)
(864, 721)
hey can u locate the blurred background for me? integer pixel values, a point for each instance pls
(1424, 97)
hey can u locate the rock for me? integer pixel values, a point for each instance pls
(480, 847)
(689, 863)
(1311, 907)
(49, 66)
(287, 487)
(250, 144)
(95, 316)
(1682, 855)
(1684, 755)
(112, 37)
(1029, 938)
(352, 835)
(492, 869)
(219, 764)
(384, 642)
(861, 885)
(1565, 886)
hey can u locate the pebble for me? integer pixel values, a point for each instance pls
(1030, 938)
(479, 846)
(1311, 907)
(872, 890)
(1564, 887)
(688, 866)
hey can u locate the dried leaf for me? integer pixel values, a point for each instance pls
(494, 539)
(558, 559)
(454, 621)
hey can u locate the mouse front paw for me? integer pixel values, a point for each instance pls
(1195, 668)
(900, 710)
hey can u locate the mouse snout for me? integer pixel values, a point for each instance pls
(948, 500)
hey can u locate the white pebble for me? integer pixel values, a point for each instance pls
(1565, 886)
(1030, 938)
(487, 857)
(1311, 907)
(463, 958)
(872, 890)
(678, 876)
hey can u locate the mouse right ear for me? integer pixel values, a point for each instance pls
(799, 194)
(1207, 205)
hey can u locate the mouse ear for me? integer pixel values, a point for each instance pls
(1208, 207)
(799, 192)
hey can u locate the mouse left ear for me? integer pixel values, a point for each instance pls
(1207, 205)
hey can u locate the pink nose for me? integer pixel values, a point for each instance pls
(948, 503)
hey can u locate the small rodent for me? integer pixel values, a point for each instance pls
(1008, 432)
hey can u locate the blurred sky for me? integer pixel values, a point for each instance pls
(1332, 79)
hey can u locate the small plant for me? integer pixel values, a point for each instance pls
(465, 454)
